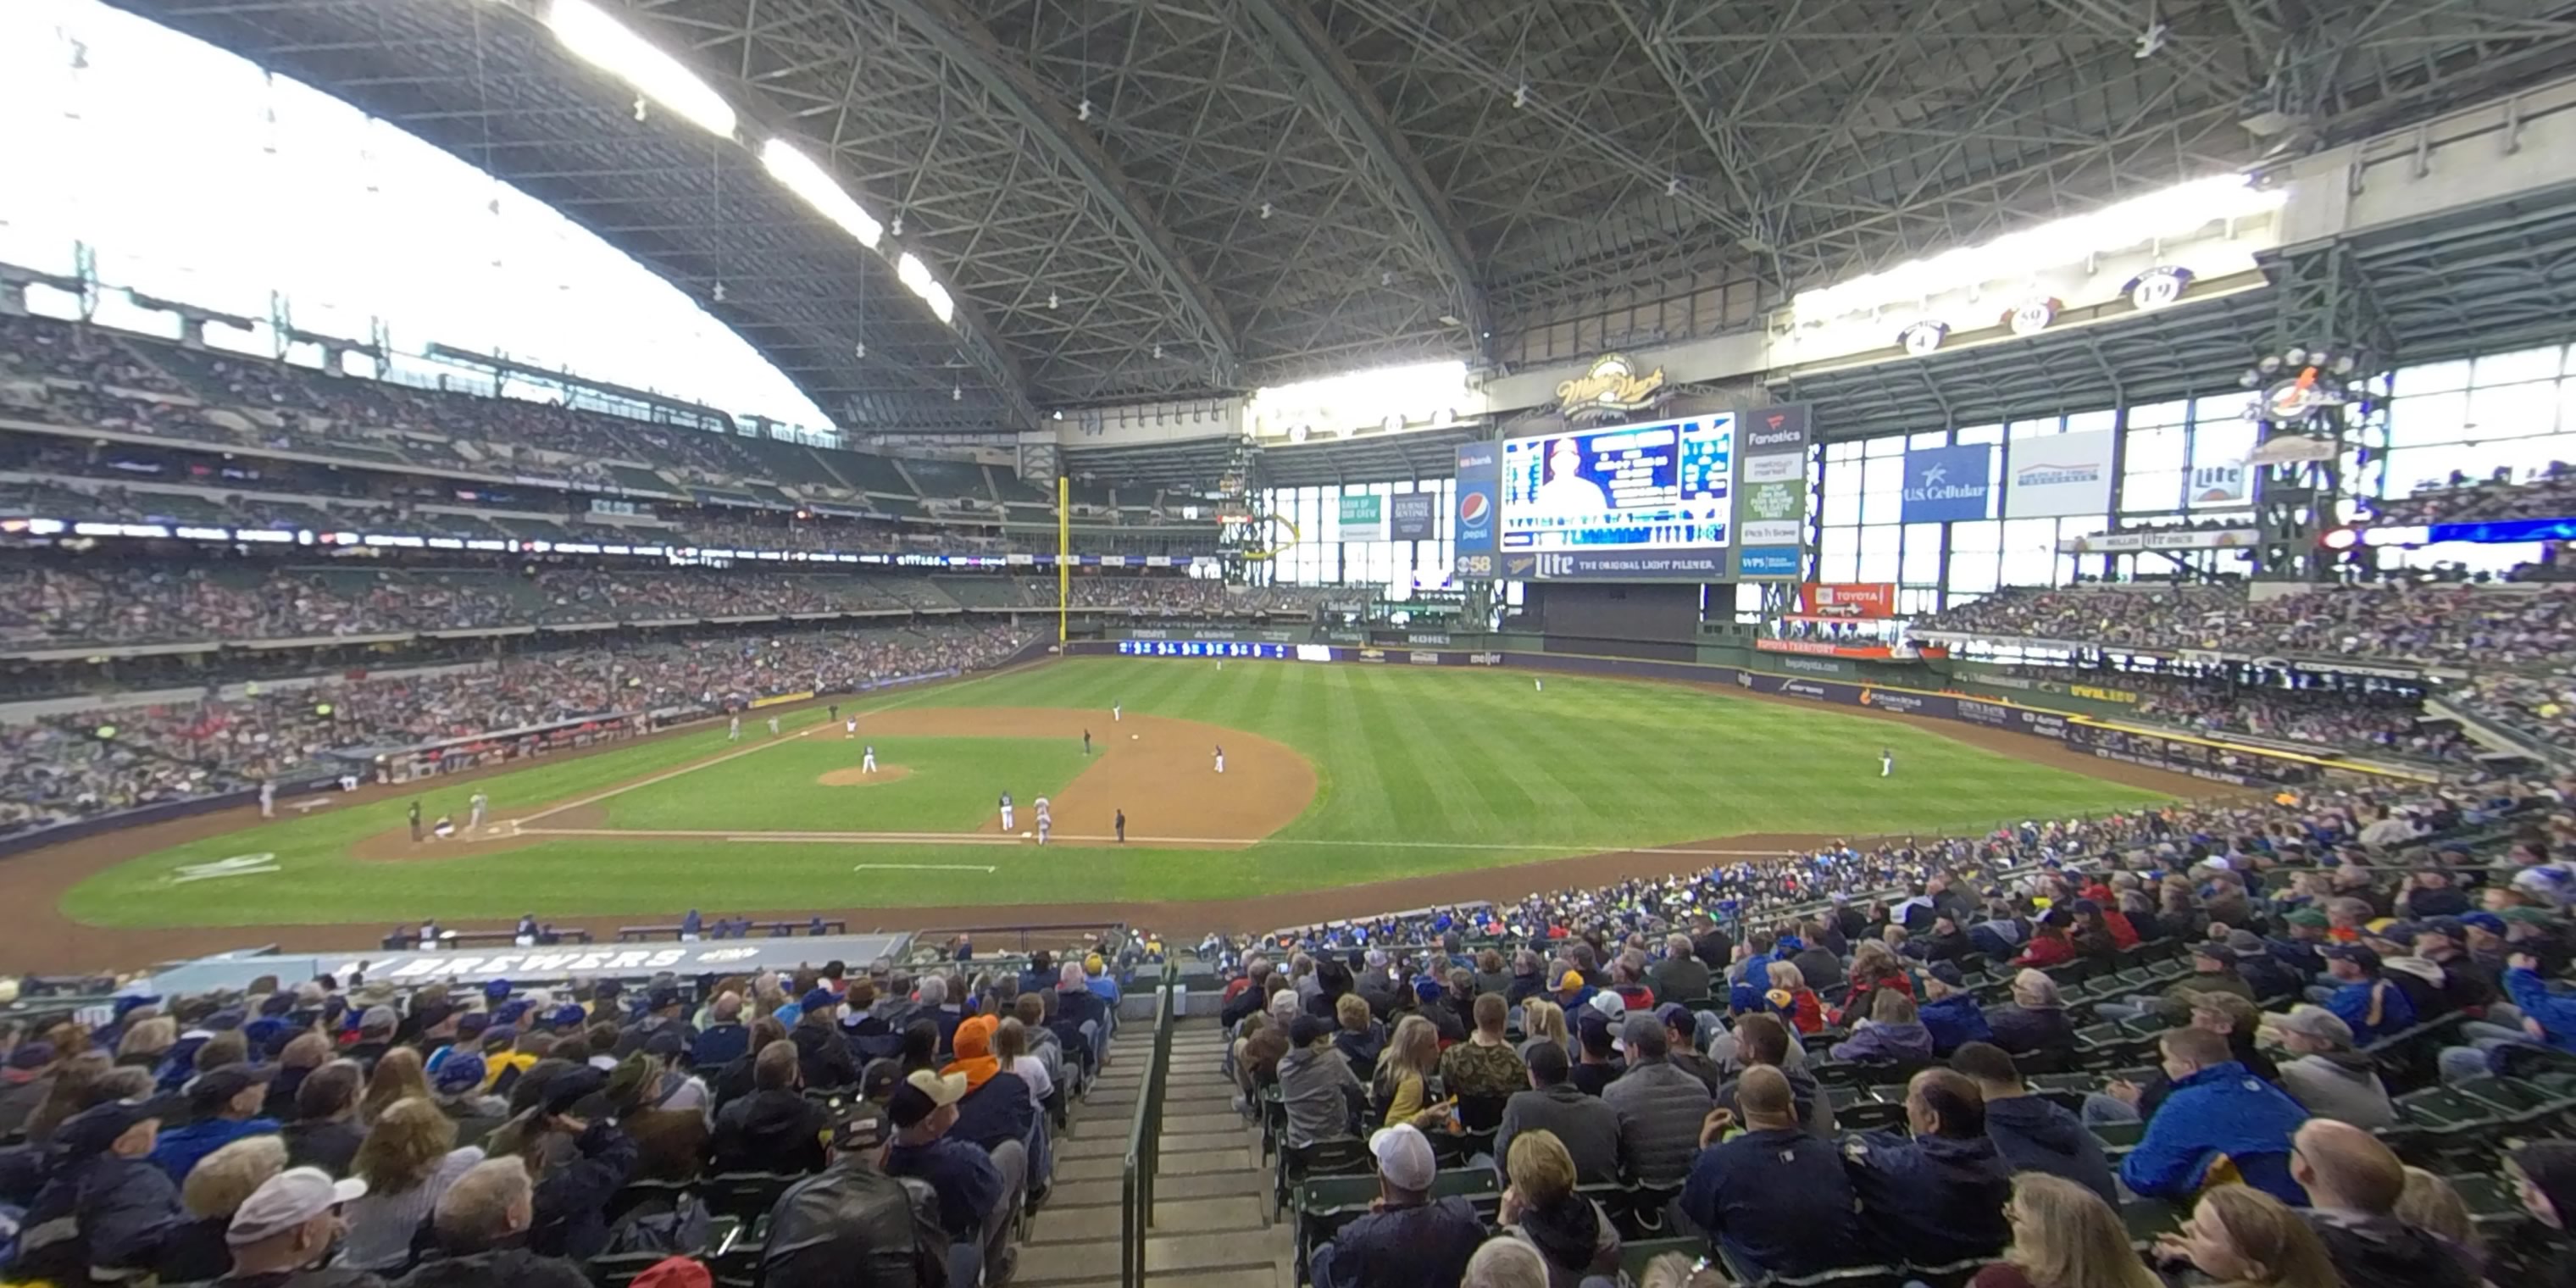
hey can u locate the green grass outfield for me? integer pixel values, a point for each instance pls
(1419, 771)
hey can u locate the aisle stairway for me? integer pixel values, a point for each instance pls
(1209, 1230)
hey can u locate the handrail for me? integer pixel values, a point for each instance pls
(1145, 1138)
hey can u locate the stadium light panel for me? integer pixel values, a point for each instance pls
(604, 42)
(802, 175)
(914, 274)
(940, 302)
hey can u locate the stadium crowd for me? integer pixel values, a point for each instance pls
(883, 1128)
(71, 766)
(2546, 493)
(2342, 718)
(2403, 621)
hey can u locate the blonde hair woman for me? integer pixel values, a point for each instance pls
(408, 1160)
(398, 1076)
(1405, 1069)
(2064, 1236)
(144, 1044)
(2429, 1203)
(215, 1189)
(1571, 1232)
(2244, 1238)
(1541, 1021)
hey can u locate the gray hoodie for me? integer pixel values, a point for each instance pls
(1316, 1084)
(2341, 1085)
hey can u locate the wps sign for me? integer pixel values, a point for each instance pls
(1866, 599)
(2061, 474)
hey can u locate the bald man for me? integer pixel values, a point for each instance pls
(1774, 1195)
(2353, 1183)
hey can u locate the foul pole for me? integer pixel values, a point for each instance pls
(1063, 556)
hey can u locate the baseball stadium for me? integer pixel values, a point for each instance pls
(1263, 643)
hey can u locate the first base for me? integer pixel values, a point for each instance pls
(1026, 835)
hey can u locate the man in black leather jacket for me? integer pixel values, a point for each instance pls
(853, 1226)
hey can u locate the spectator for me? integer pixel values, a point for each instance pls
(26, 1077)
(1937, 1196)
(215, 1189)
(2049, 944)
(1484, 1072)
(2366, 1001)
(410, 1158)
(1681, 976)
(107, 1209)
(1950, 1013)
(578, 1158)
(997, 1106)
(1408, 1238)
(1660, 1107)
(2032, 1133)
(1402, 1086)
(1597, 1053)
(73, 1080)
(854, 1225)
(2326, 1076)
(2216, 1109)
(284, 1230)
(979, 1192)
(459, 1087)
(820, 1048)
(1586, 1128)
(1892, 1033)
(2244, 1238)
(1774, 1195)
(1542, 1207)
(225, 1105)
(2544, 1175)
(1316, 1084)
(1543, 1022)
(2213, 969)
(2064, 1236)
(479, 1232)
(775, 1128)
(397, 1074)
(1506, 1262)
(2036, 1020)
(2430, 1204)
(2353, 1184)
(2548, 1020)
(1361, 1039)
(1791, 999)
(1763, 1041)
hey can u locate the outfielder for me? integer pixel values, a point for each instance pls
(1116, 713)
(773, 726)
(1886, 762)
(268, 796)
(1006, 811)
(868, 760)
(475, 807)
(1220, 758)
(733, 732)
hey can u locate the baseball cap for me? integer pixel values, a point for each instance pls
(133, 1002)
(818, 999)
(1609, 1004)
(2450, 928)
(2217, 950)
(33, 1055)
(863, 1126)
(1404, 1157)
(664, 1044)
(2358, 954)
(98, 1126)
(1678, 1018)
(498, 990)
(2486, 921)
(678, 1270)
(2245, 943)
(287, 1200)
(1305, 1030)
(2526, 915)
(471, 1024)
(461, 1071)
(880, 1078)
(212, 1089)
(661, 998)
(923, 1094)
(1426, 990)
(1570, 981)
(2314, 1021)
(2308, 917)
(567, 1016)
(568, 1089)
(432, 1015)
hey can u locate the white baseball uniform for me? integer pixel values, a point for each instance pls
(1006, 811)
(1044, 824)
(850, 727)
(868, 761)
(1886, 764)
(475, 808)
(1220, 760)
(733, 732)
(773, 726)
(1116, 713)
(268, 798)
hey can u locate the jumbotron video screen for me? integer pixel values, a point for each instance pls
(1662, 485)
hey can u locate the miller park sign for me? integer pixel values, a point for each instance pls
(1610, 389)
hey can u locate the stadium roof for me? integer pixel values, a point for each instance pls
(1267, 190)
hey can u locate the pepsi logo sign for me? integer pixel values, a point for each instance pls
(1473, 506)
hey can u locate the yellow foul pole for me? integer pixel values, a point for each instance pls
(1063, 555)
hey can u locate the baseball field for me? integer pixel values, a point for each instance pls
(1343, 785)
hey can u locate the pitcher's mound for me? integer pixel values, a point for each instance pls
(855, 777)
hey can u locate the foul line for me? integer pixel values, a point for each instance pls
(921, 867)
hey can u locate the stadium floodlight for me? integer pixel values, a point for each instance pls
(604, 42)
(941, 305)
(802, 175)
(914, 274)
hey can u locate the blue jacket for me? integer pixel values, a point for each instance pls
(1933, 1200)
(2556, 1013)
(1955, 1021)
(967, 1183)
(1405, 1247)
(2037, 1135)
(719, 1045)
(1876, 1041)
(2351, 1004)
(2223, 1109)
(127, 1210)
(995, 1112)
(181, 1148)
(1778, 1200)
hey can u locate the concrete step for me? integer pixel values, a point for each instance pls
(1102, 1191)
(1195, 1163)
(1171, 1216)
(1114, 1144)
(1197, 1123)
(1194, 1254)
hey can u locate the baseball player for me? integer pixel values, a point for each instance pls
(734, 732)
(1116, 713)
(868, 760)
(1121, 824)
(833, 712)
(268, 789)
(415, 822)
(1886, 762)
(850, 727)
(444, 828)
(1220, 758)
(1006, 811)
(1046, 814)
(773, 726)
(1539, 685)
(1045, 825)
(475, 807)
(1086, 742)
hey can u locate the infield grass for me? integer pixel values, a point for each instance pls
(1419, 771)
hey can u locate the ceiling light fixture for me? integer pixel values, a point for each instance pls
(1052, 301)
(1265, 210)
(1083, 112)
(1520, 94)
(604, 42)
(802, 175)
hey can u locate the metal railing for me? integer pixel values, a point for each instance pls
(1145, 1138)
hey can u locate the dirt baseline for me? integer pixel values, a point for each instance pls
(42, 939)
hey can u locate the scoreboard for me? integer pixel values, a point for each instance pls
(1207, 648)
(1664, 486)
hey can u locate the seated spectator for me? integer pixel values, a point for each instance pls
(2353, 1184)
(24, 1081)
(2036, 1019)
(1680, 976)
(1484, 1072)
(2064, 1236)
(325, 1133)
(1936, 1196)
(1681, 1033)
(1401, 1087)
(1791, 999)
(215, 1189)
(1544, 1022)
(2049, 942)
(775, 1128)
(2362, 996)
(225, 1105)
(578, 1157)
(1542, 1207)
(825, 1055)
(459, 1088)
(479, 1234)
(107, 1209)
(1892, 1033)
(2430, 1204)
(1585, 1127)
(1660, 1107)
(2544, 1175)
(997, 1106)
(1597, 1053)
(1316, 1085)
(2216, 1109)
(1773, 1194)
(1763, 1041)
(1408, 1238)
(2548, 1021)
(2243, 1237)
(1874, 968)
(410, 1158)
(2032, 1133)
(2325, 1075)
(283, 1231)
(725, 1038)
(979, 1191)
(854, 1222)
(2213, 970)
(1361, 1039)
(1950, 1013)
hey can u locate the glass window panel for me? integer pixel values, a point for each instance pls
(1975, 434)
(2163, 413)
(1891, 446)
(1929, 438)
(2151, 490)
(1838, 554)
(2030, 552)
(1922, 554)
(2516, 366)
(2038, 428)
(2160, 448)
(1883, 490)
(2428, 418)
(2085, 422)
(2431, 377)
(2525, 410)
(1845, 451)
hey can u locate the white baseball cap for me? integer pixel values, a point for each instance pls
(287, 1200)
(1404, 1157)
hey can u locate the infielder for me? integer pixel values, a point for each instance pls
(868, 760)
(1220, 758)
(850, 727)
(1006, 811)
(1045, 824)
(1045, 814)
(773, 726)
(268, 795)
(733, 732)
(1886, 762)
(475, 807)
(1116, 713)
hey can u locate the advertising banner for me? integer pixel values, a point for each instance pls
(1776, 429)
(1948, 484)
(2170, 539)
(1862, 599)
(1613, 564)
(2062, 474)
(2220, 483)
(1475, 521)
(1659, 487)
(1771, 493)
(1363, 518)
(1770, 563)
(1409, 515)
